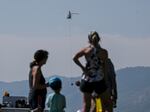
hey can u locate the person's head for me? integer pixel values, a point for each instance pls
(40, 56)
(55, 83)
(94, 38)
(103, 54)
(6, 94)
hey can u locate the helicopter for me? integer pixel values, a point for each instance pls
(69, 16)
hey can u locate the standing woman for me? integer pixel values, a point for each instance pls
(93, 73)
(37, 85)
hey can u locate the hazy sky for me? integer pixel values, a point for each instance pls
(28, 25)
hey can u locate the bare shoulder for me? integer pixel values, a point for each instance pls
(35, 70)
(85, 50)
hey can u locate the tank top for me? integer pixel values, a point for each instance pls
(42, 82)
(94, 67)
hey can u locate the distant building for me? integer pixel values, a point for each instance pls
(15, 101)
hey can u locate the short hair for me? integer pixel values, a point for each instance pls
(40, 55)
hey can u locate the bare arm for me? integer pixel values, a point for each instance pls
(36, 78)
(114, 83)
(77, 61)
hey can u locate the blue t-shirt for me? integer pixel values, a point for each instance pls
(56, 102)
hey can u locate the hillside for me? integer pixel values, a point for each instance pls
(133, 90)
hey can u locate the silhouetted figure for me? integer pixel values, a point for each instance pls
(37, 84)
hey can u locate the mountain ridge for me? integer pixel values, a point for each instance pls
(132, 82)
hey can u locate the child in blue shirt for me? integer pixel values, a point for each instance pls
(56, 102)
